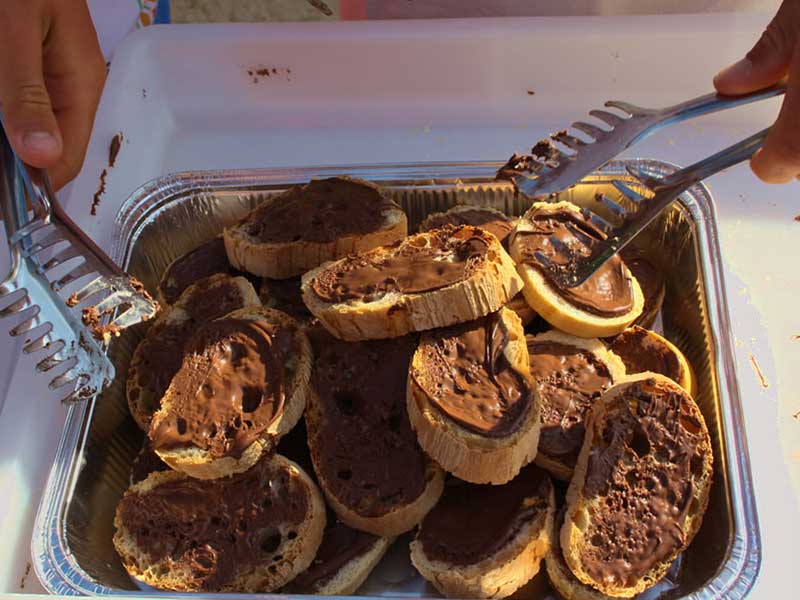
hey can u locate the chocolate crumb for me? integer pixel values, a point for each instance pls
(321, 7)
(73, 299)
(98, 195)
(113, 149)
(531, 92)
(796, 416)
(25, 576)
(762, 380)
(144, 93)
(263, 72)
(797, 218)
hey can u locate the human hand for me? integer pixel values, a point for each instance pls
(51, 75)
(775, 56)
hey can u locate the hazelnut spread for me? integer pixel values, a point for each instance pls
(321, 211)
(472, 522)
(205, 260)
(649, 278)
(465, 374)
(362, 443)
(494, 222)
(161, 352)
(215, 530)
(420, 263)
(647, 451)
(642, 352)
(229, 389)
(608, 292)
(568, 380)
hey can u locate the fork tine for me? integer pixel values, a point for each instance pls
(616, 209)
(597, 220)
(63, 256)
(627, 107)
(127, 318)
(40, 342)
(626, 191)
(81, 270)
(27, 230)
(591, 130)
(570, 141)
(110, 302)
(31, 315)
(71, 375)
(51, 239)
(607, 117)
(15, 306)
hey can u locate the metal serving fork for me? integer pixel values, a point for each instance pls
(627, 223)
(51, 255)
(560, 170)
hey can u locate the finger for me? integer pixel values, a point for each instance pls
(779, 159)
(75, 72)
(768, 62)
(24, 99)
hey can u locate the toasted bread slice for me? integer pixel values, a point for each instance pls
(249, 533)
(524, 311)
(494, 221)
(484, 541)
(205, 260)
(308, 225)
(365, 454)
(604, 305)
(208, 428)
(471, 399)
(158, 356)
(642, 350)
(640, 488)
(571, 373)
(446, 276)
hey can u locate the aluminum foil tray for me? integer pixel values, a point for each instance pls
(72, 548)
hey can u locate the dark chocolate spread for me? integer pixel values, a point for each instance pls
(472, 522)
(650, 280)
(362, 443)
(569, 380)
(495, 223)
(146, 462)
(420, 263)
(646, 453)
(608, 292)
(340, 545)
(205, 260)
(160, 354)
(321, 211)
(642, 352)
(217, 529)
(229, 389)
(466, 375)
(285, 295)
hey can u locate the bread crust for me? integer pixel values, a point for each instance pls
(577, 514)
(352, 575)
(616, 369)
(496, 576)
(196, 462)
(524, 311)
(397, 314)
(282, 260)
(298, 553)
(557, 311)
(467, 455)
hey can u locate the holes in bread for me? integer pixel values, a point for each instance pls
(345, 474)
(639, 442)
(271, 542)
(277, 558)
(180, 424)
(348, 401)
(251, 399)
(696, 465)
(291, 535)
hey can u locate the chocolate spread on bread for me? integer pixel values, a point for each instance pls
(465, 374)
(641, 352)
(472, 522)
(420, 263)
(229, 389)
(608, 292)
(650, 280)
(217, 529)
(362, 442)
(646, 452)
(568, 380)
(321, 211)
(205, 260)
(495, 223)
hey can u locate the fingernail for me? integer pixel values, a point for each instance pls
(40, 142)
(736, 71)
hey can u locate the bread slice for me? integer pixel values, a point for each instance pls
(308, 225)
(494, 221)
(249, 533)
(562, 364)
(158, 356)
(486, 541)
(650, 279)
(524, 311)
(206, 462)
(548, 301)
(365, 454)
(643, 350)
(480, 279)
(209, 258)
(469, 454)
(640, 488)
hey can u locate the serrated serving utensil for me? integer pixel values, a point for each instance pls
(63, 295)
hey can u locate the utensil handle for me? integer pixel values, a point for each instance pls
(711, 103)
(13, 204)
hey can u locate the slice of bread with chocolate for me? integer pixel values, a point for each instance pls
(471, 399)
(253, 532)
(158, 356)
(604, 305)
(242, 386)
(443, 277)
(207, 259)
(524, 311)
(642, 350)
(640, 488)
(308, 225)
(495, 222)
(570, 375)
(365, 454)
(486, 541)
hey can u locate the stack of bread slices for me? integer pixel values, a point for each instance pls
(322, 382)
